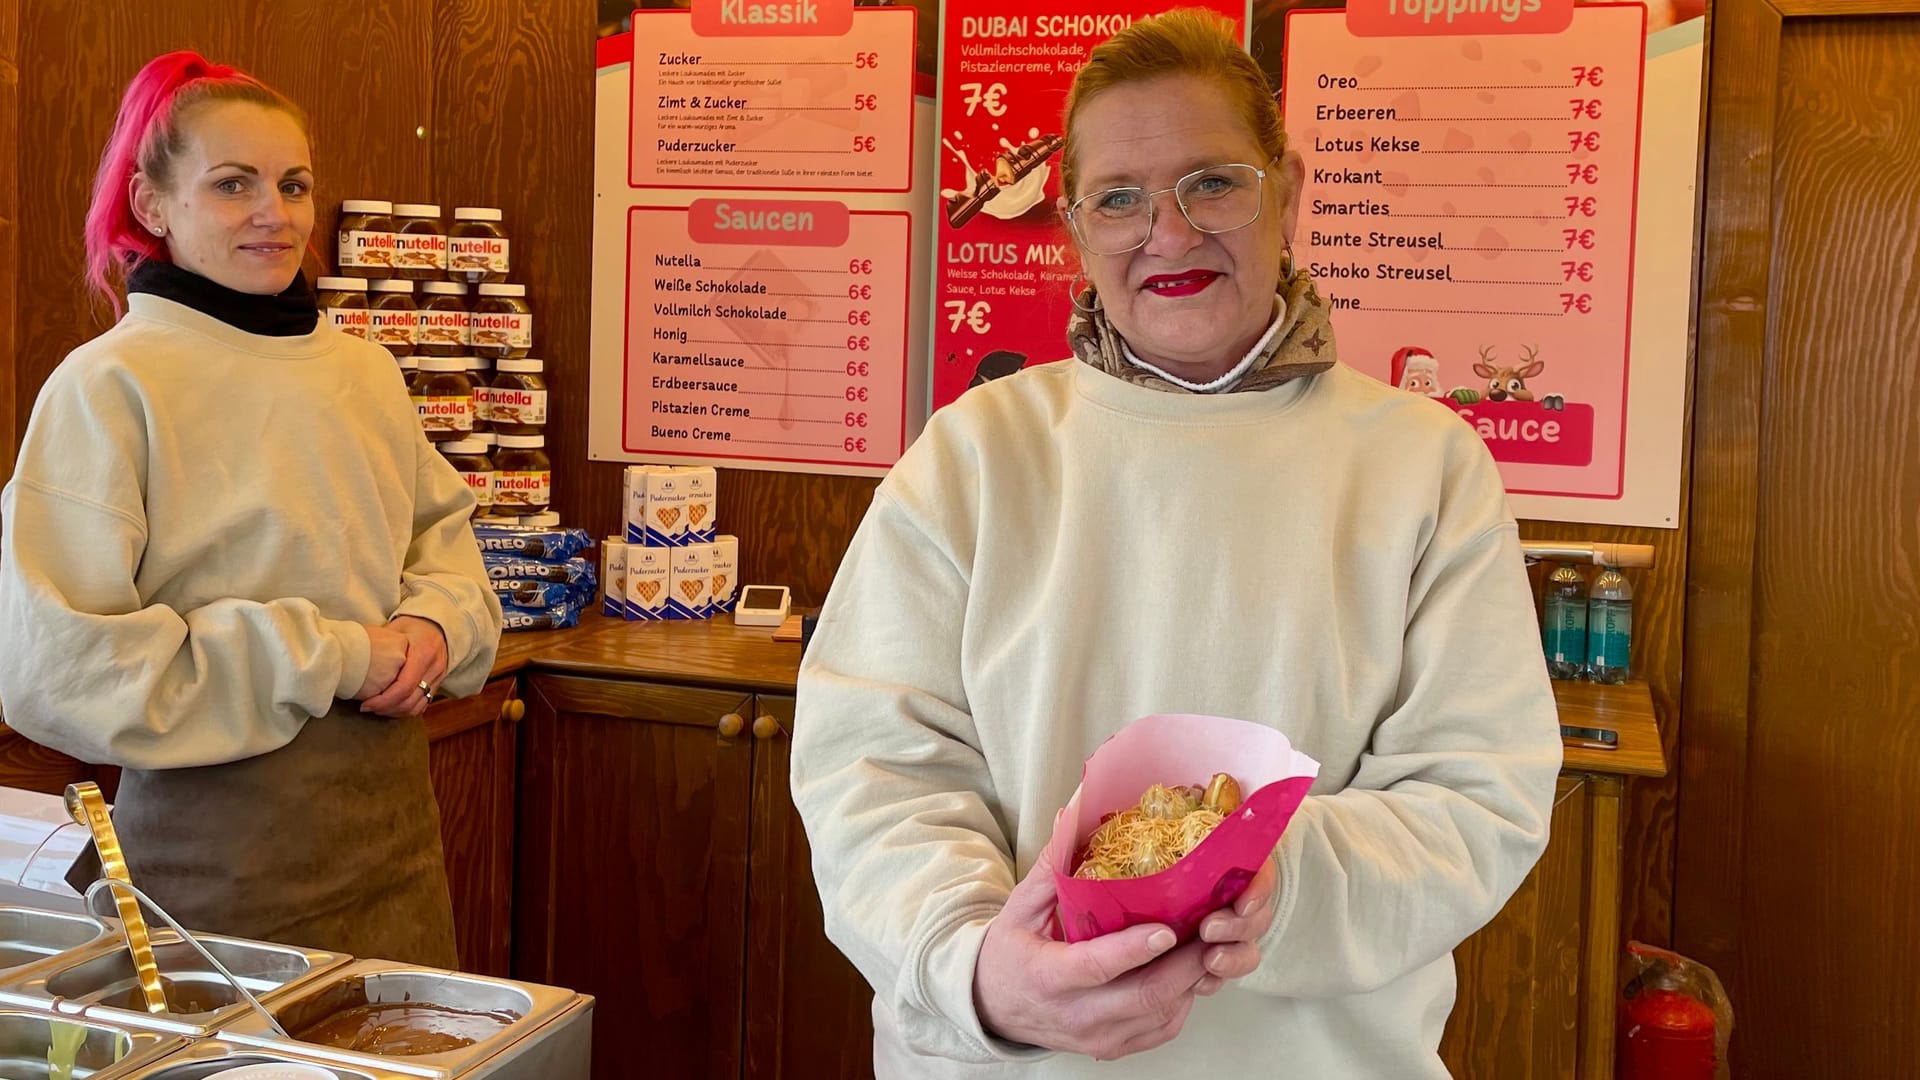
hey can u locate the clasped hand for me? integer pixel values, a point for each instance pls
(405, 655)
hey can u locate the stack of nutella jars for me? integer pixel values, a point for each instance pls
(437, 297)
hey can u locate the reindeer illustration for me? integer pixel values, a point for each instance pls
(1510, 383)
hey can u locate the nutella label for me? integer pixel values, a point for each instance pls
(483, 403)
(502, 329)
(359, 248)
(481, 484)
(419, 251)
(444, 414)
(528, 491)
(515, 406)
(444, 328)
(393, 327)
(487, 253)
(357, 321)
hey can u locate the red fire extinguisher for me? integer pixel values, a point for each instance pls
(1673, 1018)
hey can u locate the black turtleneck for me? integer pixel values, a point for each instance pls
(292, 313)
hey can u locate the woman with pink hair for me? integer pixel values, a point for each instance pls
(233, 565)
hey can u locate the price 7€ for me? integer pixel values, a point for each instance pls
(973, 317)
(983, 96)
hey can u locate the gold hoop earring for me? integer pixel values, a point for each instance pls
(1074, 291)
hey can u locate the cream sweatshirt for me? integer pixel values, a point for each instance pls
(1062, 552)
(201, 521)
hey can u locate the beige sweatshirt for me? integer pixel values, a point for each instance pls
(199, 525)
(1062, 552)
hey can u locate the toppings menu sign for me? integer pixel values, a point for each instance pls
(1003, 260)
(754, 237)
(1472, 212)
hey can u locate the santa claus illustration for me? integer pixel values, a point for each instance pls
(1416, 371)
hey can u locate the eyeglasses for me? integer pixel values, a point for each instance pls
(1214, 200)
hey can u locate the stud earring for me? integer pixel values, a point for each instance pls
(159, 230)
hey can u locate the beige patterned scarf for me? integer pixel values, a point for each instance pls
(1302, 345)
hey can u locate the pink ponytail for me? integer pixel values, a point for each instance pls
(146, 136)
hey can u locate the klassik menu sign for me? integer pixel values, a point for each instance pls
(757, 240)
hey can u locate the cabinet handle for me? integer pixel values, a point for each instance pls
(732, 724)
(765, 727)
(513, 710)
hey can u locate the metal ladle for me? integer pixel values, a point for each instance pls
(89, 807)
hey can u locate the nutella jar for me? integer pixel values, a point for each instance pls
(446, 326)
(394, 322)
(517, 401)
(409, 370)
(443, 396)
(480, 370)
(469, 458)
(487, 439)
(343, 301)
(502, 322)
(419, 242)
(476, 246)
(366, 239)
(523, 482)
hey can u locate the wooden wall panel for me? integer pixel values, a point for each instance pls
(513, 128)
(365, 91)
(1659, 623)
(1797, 832)
(1518, 1010)
(9, 228)
(513, 91)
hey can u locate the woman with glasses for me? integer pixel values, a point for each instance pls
(1201, 511)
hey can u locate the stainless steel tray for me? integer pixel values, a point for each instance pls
(26, 1037)
(103, 986)
(210, 1057)
(382, 981)
(31, 938)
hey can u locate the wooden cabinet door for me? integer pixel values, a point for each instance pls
(809, 1012)
(471, 759)
(1517, 1012)
(633, 867)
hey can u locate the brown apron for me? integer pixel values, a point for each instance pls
(331, 842)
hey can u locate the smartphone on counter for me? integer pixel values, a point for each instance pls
(1590, 738)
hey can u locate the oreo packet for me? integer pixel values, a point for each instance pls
(574, 571)
(558, 617)
(524, 593)
(532, 543)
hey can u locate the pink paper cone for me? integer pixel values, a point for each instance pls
(1178, 749)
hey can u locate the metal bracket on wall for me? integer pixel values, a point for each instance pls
(1599, 554)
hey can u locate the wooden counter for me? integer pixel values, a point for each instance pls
(656, 754)
(716, 653)
(615, 814)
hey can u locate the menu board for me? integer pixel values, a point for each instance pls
(1003, 259)
(755, 236)
(756, 327)
(832, 112)
(1469, 214)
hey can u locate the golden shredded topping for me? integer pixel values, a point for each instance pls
(1168, 823)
